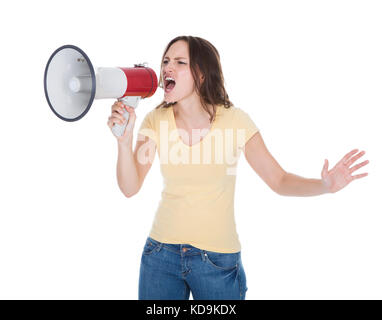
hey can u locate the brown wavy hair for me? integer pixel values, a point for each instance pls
(205, 60)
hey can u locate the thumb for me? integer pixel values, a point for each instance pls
(132, 117)
(325, 168)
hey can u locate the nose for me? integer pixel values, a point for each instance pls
(168, 70)
(168, 67)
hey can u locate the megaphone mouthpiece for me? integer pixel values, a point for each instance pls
(80, 84)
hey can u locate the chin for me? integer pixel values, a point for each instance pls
(169, 100)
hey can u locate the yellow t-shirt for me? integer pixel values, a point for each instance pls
(197, 204)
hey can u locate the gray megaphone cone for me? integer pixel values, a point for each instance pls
(71, 84)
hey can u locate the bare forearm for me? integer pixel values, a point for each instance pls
(294, 185)
(127, 175)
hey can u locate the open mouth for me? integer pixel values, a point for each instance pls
(169, 85)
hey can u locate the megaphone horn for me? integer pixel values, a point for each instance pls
(71, 84)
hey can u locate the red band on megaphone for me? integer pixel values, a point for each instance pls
(141, 81)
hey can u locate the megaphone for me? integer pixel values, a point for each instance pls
(71, 84)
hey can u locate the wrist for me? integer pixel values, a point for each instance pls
(125, 145)
(325, 187)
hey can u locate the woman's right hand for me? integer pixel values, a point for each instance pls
(117, 110)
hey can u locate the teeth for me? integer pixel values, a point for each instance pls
(169, 78)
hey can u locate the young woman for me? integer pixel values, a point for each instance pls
(193, 245)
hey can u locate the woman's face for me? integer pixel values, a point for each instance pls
(176, 64)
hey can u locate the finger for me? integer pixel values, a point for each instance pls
(111, 120)
(348, 155)
(122, 105)
(132, 114)
(117, 114)
(324, 171)
(356, 167)
(132, 118)
(350, 161)
(131, 110)
(326, 165)
(119, 117)
(118, 120)
(128, 108)
(115, 105)
(357, 176)
(130, 123)
(118, 109)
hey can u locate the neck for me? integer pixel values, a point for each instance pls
(191, 112)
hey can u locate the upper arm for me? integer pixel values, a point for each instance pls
(144, 154)
(260, 159)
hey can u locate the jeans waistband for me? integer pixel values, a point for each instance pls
(180, 247)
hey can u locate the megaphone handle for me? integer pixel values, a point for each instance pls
(132, 101)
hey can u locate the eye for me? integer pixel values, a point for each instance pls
(165, 62)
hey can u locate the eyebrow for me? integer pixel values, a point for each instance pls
(177, 58)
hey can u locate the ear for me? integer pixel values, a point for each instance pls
(200, 74)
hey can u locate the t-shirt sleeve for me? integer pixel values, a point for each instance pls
(244, 123)
(148, 127)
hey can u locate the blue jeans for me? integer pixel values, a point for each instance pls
(171, 271)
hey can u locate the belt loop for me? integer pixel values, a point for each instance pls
(160, 245)
(203, 253)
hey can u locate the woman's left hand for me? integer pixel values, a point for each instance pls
(340, 176)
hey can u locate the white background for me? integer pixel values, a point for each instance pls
(309, 73)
